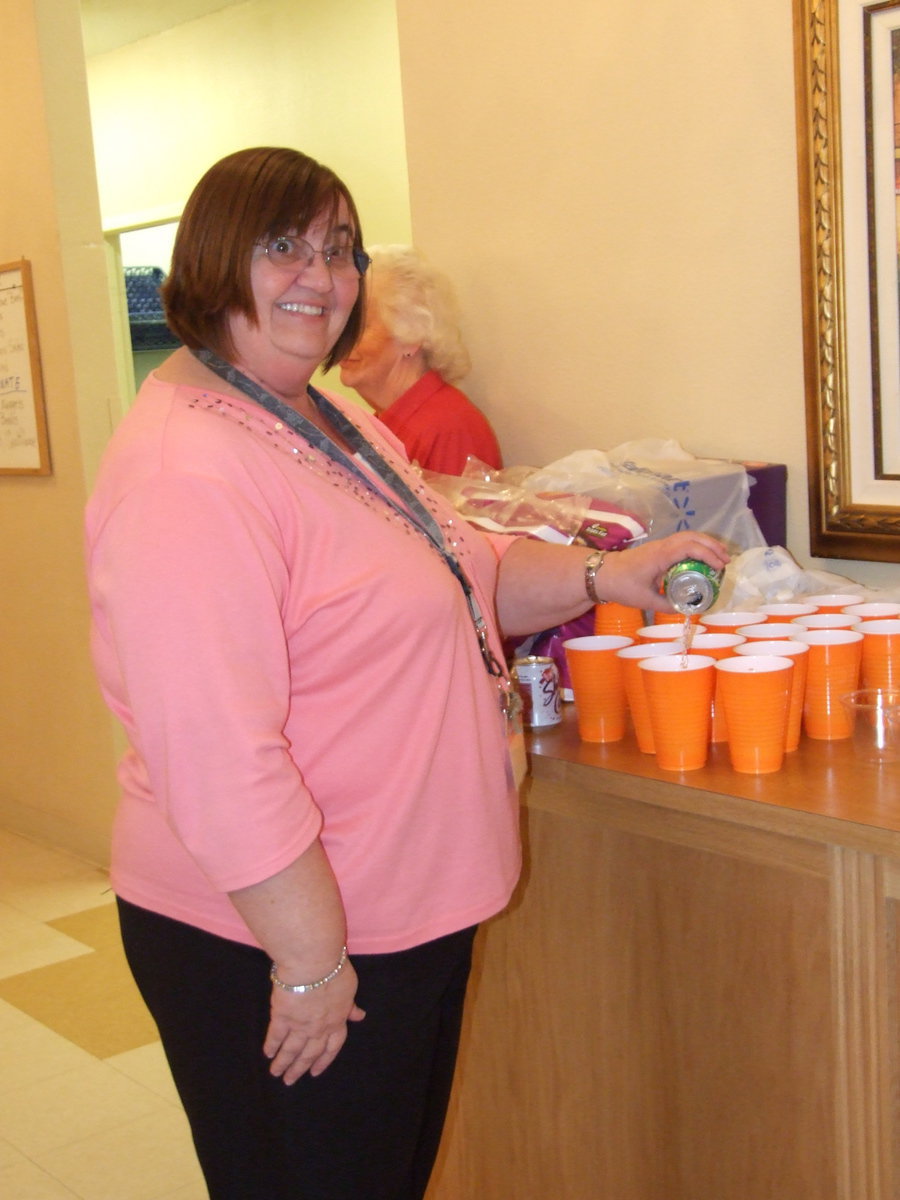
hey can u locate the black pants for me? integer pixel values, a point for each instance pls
(368, 1128)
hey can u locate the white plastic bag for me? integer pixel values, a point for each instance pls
(708, 494)
(590, 473)
(770, 575)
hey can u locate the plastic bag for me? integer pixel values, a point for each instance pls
(770, 575)
(709, 494)
(591, 474)
(668, 488)
(500, 502)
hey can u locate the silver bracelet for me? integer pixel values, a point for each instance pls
(592, 565)
(299, 988)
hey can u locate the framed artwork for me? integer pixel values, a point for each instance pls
(24, 449)
(847, 55)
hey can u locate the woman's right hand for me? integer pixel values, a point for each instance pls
(307, 1030)
(298, 919)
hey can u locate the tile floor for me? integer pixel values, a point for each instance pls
(87, 1107)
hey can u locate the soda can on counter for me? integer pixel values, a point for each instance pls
(692, 586)
(538, 682)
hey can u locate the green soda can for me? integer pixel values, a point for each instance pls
(692, 586)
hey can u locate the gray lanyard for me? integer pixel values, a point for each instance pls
(414, 512)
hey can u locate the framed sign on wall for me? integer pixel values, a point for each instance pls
(24, 448)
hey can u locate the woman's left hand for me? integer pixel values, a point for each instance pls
(542, 585)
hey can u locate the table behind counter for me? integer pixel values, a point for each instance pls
(694, 994)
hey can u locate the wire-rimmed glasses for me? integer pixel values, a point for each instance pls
(296, 254)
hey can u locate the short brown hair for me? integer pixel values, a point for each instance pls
(242, 199)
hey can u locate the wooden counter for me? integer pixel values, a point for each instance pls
(694, 995)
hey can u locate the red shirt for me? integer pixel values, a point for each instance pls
(440, 427)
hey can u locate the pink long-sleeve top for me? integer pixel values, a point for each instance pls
(290, 660)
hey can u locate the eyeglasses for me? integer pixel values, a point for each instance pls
(297, 254)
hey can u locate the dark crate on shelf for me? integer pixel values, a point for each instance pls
(145, 313)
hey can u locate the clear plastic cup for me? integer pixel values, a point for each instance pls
(875, 717)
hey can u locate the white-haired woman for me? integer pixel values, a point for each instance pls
(408, 359)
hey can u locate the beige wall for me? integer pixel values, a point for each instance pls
(56, 741)
(322, 77)
(163, 110)
(613, 187)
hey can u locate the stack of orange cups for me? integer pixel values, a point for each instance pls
(717, 646)
(798, 652)
(825, 620)
(675, 618)
(786, 611)
(679, 691)
(835, 658)
(766, 631)
(665, 632)
(880, 654)
(731, 621)
(873, 610)
(635, 692)
(832, 602)
(598, 686)
(617, 619)
(756, 692)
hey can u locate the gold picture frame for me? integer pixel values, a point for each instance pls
(851, 331)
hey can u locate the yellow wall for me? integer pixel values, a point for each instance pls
(321, 77)
(56, 741)
(163, 110)
(613, 187)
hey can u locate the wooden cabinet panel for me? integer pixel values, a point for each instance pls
(651, 1020)
(696, 993)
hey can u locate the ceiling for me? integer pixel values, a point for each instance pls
(108, 24)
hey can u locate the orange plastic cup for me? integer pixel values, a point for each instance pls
(826, 620)
(835, 659)
(635, 693)
(799, 653)
(833, 601)
(765, 631)
(756, 693)
(717, 646)
(873, 610)
(880, 654)
(679, 691)
(786, 611)
(617, 619)
(664, 632)
(729, 621)
(598, 687)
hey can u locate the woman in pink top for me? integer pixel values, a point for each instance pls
(409, 357)
(303, 646)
